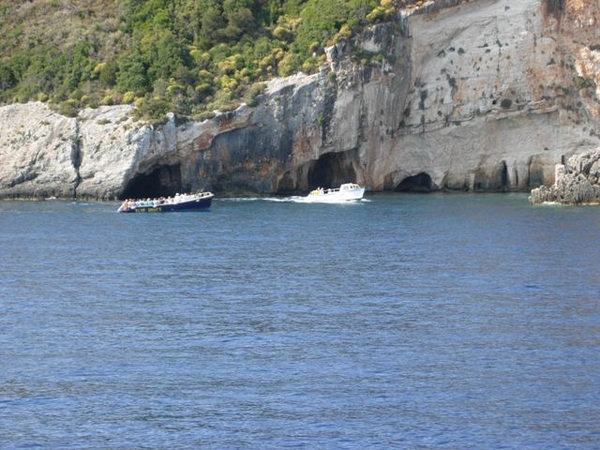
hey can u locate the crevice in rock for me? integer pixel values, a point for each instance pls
(554, 7)
(503, 173)
(492, 180)
(76, 159)
(160, 181)
(535, 171)
(328, 111)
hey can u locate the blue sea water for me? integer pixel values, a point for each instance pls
(399, 322)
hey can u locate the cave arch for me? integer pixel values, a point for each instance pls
(417, 183)
(332, 169)
(161, 181)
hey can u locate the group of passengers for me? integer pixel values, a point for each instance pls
(320, 191)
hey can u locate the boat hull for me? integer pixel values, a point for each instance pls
(325, 198)
(346, 193)
(191, 205)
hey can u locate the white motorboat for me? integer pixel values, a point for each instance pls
(346, 192)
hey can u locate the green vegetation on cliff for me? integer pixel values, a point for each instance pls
(186, 56)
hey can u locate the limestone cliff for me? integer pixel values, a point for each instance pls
(480, 95)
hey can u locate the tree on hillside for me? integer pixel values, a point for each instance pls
(189, 56)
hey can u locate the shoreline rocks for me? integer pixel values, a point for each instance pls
(576, 183)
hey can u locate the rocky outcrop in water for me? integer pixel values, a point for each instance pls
(576, 183)
(480, 95)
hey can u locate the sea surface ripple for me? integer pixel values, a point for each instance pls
(399, 322)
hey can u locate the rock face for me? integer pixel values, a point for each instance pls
(576, 183)
(479, 95)
(43, 154)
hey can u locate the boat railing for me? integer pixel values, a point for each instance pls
(321, 191)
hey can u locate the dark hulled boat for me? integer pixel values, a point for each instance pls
(181, 202)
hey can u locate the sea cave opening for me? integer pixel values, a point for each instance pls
(161, 181)
(416, 183)
(332, 169)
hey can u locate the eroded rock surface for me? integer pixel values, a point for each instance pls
(479, 95)
(576, 183)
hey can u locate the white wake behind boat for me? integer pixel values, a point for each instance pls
(346, 192)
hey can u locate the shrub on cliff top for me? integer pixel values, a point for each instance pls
(109, 49)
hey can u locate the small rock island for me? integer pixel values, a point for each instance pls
(576, 183)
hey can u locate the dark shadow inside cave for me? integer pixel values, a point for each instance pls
(331, 170)
(162, 181)
(417, 183)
